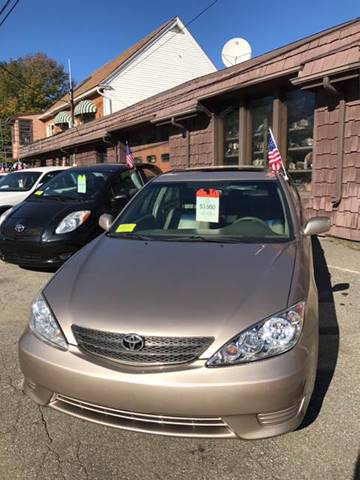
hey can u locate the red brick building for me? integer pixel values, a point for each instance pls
(308, 92)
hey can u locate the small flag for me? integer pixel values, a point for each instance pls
(129, 157)
(274, 156)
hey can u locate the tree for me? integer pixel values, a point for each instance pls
(29, 84)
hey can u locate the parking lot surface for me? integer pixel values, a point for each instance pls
(39, 443)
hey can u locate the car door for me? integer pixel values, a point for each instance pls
(122, 187)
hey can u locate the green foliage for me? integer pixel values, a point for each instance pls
(31, 84)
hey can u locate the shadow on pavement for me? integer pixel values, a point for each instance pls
(357, 469)
(329, 333)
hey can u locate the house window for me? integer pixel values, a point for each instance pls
(151, 158)
(261, 111)
(300, 137)
(165, 157)
(231, 138)
(25, 132)
(87, 117)
(49, 130)
(101, 155)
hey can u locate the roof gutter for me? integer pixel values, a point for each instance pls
(326, 83)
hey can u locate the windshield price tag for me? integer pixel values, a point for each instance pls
(81, 183)
(207, 205)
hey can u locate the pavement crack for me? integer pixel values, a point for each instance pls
(82, 465)
(49, 445)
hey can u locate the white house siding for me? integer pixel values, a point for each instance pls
(172, 59)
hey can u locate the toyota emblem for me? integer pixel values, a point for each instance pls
(19, 228)
(133, 342)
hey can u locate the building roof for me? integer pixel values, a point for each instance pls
(325, 52)
(99, 75)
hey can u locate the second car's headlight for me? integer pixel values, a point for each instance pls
(72, 221)
(267, 338)
(4, 216)
(44, 325)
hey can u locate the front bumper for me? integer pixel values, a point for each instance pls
(36, 254)
(249, 401)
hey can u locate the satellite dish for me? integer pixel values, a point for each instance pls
(235, 51)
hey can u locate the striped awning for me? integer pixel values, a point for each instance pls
(85, 106)
(62, 117)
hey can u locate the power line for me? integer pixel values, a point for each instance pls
(9, 12)
(4, 7)
(181, 30)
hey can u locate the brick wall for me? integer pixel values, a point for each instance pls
(345, 217)
(201, 145)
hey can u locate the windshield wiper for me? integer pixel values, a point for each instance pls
(130, 236)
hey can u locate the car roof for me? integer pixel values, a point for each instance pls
(217, 173)
(107, 167)
(40, 169)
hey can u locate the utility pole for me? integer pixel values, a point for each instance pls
(71, 93)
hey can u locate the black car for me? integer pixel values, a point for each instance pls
(57, 220)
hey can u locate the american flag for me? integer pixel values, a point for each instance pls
(274, 156)
(129, 157)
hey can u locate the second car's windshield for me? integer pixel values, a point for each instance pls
(19, 181)
(233, 211)
(74, 185)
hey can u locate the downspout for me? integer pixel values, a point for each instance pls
(337, 197)
(185, 134)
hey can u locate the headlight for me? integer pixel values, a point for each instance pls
(44, 325)
(72, 221)
(267, 338)
(5, 215)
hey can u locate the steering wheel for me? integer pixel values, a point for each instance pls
(251, 219)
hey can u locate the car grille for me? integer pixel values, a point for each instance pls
(156, 350)
(141, 422)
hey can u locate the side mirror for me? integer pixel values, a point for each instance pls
(105, 221)
(317, 225)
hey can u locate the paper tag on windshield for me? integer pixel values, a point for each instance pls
(39, 193)
(207, 205)
(126, 228)
(81, 183)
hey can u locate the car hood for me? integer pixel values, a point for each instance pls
(39, 216)
(171, 288)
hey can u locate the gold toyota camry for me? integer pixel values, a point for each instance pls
(194, 314)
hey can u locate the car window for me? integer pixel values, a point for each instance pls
(125, 183)
(78, 185)
(149, 173)
(48, 176)
(217, 210)
(19, 181)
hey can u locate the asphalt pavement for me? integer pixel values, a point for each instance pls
(39, 443)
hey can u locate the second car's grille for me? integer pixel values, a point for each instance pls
(154, 350)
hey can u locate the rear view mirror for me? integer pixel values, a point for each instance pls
(317, 225)
(105, 221)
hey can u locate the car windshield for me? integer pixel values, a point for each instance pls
(74, 185)
(18, 181)
(220, 211)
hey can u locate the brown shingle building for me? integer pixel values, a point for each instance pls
(308, 92)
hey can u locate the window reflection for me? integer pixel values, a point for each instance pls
(231, 138)
(300, 108)
(261, 120)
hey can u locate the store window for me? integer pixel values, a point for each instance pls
(261, 111)
(300, 137)
(101, 155)
(25, 132)
(231, 138)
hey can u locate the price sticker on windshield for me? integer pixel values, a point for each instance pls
(81, 183)
(207, 205)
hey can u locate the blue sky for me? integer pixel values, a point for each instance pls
(92, 32)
